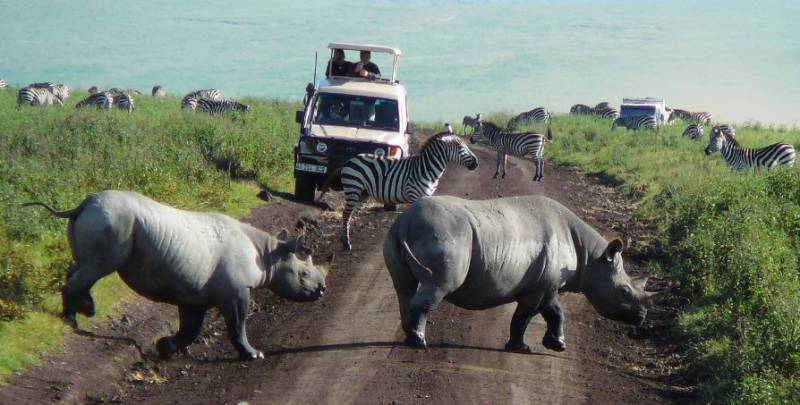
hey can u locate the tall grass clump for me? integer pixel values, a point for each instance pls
(60, 155)
(732, 243)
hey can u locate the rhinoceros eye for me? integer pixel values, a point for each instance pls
(305, 273)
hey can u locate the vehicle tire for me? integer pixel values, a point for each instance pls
(304, 188)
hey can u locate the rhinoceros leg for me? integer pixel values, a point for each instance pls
(76, 296)
(519, 324)
(554, 337)
(235, 312)
(427, 298)
(191, 323)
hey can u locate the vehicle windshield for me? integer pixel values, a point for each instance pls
(356, 111)
(631, 110)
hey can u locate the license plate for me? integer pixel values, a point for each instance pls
(308, 167)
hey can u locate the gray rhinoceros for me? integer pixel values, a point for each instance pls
(481, 254)
(193, 260)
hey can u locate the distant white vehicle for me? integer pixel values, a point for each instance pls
(646, 106)
(348, 114)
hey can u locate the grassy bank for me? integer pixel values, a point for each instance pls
(60, 155)
(732, 243)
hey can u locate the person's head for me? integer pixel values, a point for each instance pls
(365, 56)
(338, 55)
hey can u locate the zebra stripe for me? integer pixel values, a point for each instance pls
(124, 102)
(693, 132)
(725, 129)
(606, 112)
(102, 100)
(739, 158)
(59, 90)
(220, 107)
(188, 103)
(636, 122)
(702, 118)
(211, 94)
(516, 144)
(406, 180)
(37, 97)
(538, 114)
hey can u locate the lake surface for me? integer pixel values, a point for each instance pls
(739, 60)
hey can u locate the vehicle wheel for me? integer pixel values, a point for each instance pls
(304, 188)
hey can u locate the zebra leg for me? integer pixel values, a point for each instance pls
(497, 164)
(505, 160)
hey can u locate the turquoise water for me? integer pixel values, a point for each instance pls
(738, 60)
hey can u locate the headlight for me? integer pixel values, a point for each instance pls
(380, 152)
(322, 147)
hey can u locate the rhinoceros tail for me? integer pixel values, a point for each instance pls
(61, 214)
(414, 258)
(328, 181)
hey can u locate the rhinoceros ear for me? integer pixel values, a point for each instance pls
(614, 247)
(283, 235)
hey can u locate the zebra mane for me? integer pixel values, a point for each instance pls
(729, 137)
(492, 125)
(432, 139)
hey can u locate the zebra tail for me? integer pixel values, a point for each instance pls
(326, 186)
(549, 134)
(61, 214)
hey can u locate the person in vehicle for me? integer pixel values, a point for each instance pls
(365, 68)
(337, 66)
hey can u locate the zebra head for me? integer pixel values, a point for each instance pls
(451, 148)
(717, 141)
(477, 133)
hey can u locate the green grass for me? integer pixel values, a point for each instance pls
(731, 240)
(59, 155)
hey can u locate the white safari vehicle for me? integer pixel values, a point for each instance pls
(652, 106)
(347, 115)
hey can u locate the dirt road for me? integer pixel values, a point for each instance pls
(346, 347)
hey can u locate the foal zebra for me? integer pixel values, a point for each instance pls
(516, 144)
(693, 132)
(59, 90)
(739, 158)
(538, 114)
(393, 181)
(468, 121)
(636, 122)
(37, 97)
(220, 107)
(102, 100)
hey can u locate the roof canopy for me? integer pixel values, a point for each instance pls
(363, 47)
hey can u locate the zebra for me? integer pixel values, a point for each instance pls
(516, 144)
(188, 103)
(59, 90)
(693, 132)
(220, 107)
(93, 90)
(116, 91)
(538, 114)
(2, 83)
(102, 100)
(636, 122)
(393, 181)
(468, 121)
(158, 91)
(580, 109)
(607, 112)
(603, 105)
(124, 102)
(37, 96)
(739, 158)
(448, 128)
(696, 117)
(211, 94)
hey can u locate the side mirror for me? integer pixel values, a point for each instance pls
(298, 116)
(411, 128)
